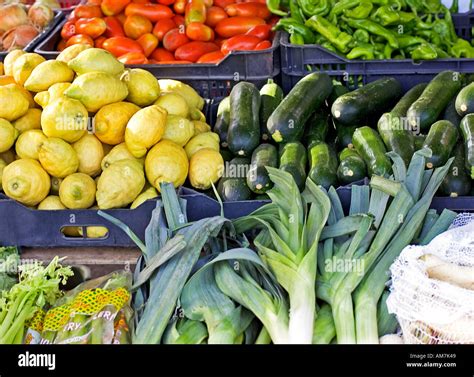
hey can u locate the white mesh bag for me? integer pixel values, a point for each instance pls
(433, 297)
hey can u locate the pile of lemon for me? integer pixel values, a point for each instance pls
(83, 132)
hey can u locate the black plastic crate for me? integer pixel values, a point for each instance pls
(297, 61)
(210, 80)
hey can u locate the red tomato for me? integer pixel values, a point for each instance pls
(263, 45)
(199, 32)
(273, 21)
(133, 58)
(61, 46)
(179, 6)
(99, 42)
(233, 26)
(162, 27)
(94, 2)
(192, 51)
(148, 42)
(240, 43)
(179, 20)
(252, 9)
(215, 15)
(195, 11)
(121, 17)
(211, 57)
(93, 27)
(223, 3)
(260, 31)
(68, 30)
(114, 27)
(161, 54)
(174, 39)
(153, 12)
(135, 26)
(113, 7)
(166, 2)
(119, 46)
(87, 11)
(80, 39)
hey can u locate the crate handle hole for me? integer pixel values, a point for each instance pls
(96, 232)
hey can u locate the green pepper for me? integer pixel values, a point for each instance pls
(424, 52)
(315, 7)
(443, 30)
(374, 28)
(462, 49)
(296, 39)
(406, 41)
(415, 6)
(386, 16)
(441, 53)
(295, 12)
(454, 7)
(361, 36)
(292, 26)
(331, 32)
(340, 7)
(449, 21)
(406, 17)
(363, 51)
(387, 52)
(398, 4)
(327, 45)
(274, 7)
(362, 11)
(433, 6)
(383, 2)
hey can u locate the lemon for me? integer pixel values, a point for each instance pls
(97, 89)
(148, 193)
(24, 65)
(201, 127)
(8, 135)
(2, 69)
(10, 59)
(47, 74)
(145, 129)
(2, 166)
(201, 141)
(90, 153)
(13, 103)
(42, 98)
(77, 191)
(55, 184)
(27, 95)
(71, 52)
(166, 162)
(96, 60)
(94, 232)
(58, 158)
(120, 184)
(196, 114)
(174, 104)
(65, 118)
(26, 181)
(178, 129)
(111, 120)
(205, 168)
(5, 80)
(29, 143)
(193, 99)
(51, 203)
(57, 90)
(143, 87)
(30, 121)
(117, 153)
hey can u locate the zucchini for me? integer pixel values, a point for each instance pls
(451, 114)
(370, 147)
(316, 128)
(434, 99)
(344, 136)
(233, 185)
(271, 95)
(467, 130)
(257, 177)
(441, 140)
(465, 100)
(419, 141)
(337, 91)
(293, 160)
(352, 167)
(288, 120)
(222, 121)
(457, 182)
(395, 132)
(366, 102)
(243, 135)
(323, 165)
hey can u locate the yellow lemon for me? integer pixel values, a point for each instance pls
(196, 114)
(58, 158)
(42, 98)
(77, 191)
(55, 184)
(57, 90)
(24, 65)
(111, 120)
(148, 193)
(47, 74)
(143, 87)
(2, 166)
(29, 143)
(30, 121)
(145, 129)
(120, 184)
(201, 127)
(117, 153)
(201, 141)
(26, 182)
(71, 52)
(13, 103)
(205, 168)
(174, 104)
(28, 96)
(95, 232)
(166, 162)
(90, 153)
(193, 99)
(178, 129)
(8, 135)
(5, 80)
(51, 203)
(65, 118)
(97, 89)
(96, 60)
(10, 60)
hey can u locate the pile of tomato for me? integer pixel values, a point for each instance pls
(170, 31)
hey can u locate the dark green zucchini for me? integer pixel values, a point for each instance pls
(257, 178)
(465, 100)
(316, 128)
(344, 136)
(434, 99)
(419, 141)
(271, 95)
(441, 139)
(233, 185)
(222, 121)
(337, 91)
(371, 148)
(457, 182)
(467, 131)
(451, 114)
(323, 165)
(395, 131)
(366, 102)
(293, 160)
(243, 135)
(288, 120)
(351, 168)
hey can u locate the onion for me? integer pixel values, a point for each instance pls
(19, 37)
(40, 15)
(11, 16)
